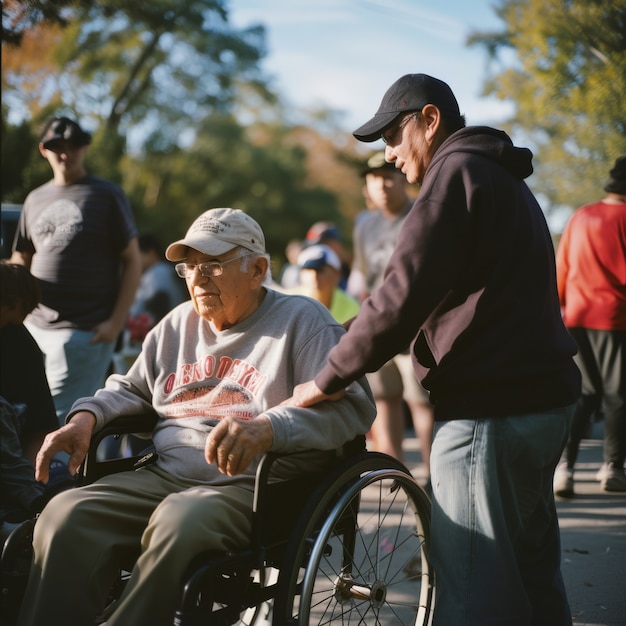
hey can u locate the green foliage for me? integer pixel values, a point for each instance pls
(224, 167)
(22, 166)
(142, 63)
(180, 114)
(568, 85)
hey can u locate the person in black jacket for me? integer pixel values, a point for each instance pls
(27, 412)
(23, 381)
(471, 284)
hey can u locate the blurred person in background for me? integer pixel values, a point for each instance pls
(320, 275)
(77, 235)
(159, 289)
(328, 234)
(27, 412)
(23, 381)
(290, 272)
(591, 277)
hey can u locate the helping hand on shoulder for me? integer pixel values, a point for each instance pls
(307, 394)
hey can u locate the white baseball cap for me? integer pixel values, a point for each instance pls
(216, 232)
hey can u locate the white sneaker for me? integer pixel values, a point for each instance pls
(564, 481)
(615, 480)
(603, 472)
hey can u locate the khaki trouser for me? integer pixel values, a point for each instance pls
(85, 535)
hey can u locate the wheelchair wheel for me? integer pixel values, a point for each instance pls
(225, 591)
(362, 558)
(258, 615)
(15, 559)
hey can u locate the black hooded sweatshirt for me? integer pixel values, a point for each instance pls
(471, 286)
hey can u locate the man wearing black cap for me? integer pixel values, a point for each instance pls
(374, 240)
(77, 236)
(471, 284)
(591, 274)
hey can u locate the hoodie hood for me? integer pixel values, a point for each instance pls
(490, 143)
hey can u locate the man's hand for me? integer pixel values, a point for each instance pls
(234, 443)
(72, 438)
(308, 394)
(105, 332)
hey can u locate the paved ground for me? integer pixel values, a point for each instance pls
(593, 537)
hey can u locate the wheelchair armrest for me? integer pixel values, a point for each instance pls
(288, 495)
(93, 468)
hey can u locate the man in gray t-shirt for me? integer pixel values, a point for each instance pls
(77, 236)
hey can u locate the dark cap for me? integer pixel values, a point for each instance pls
(412, 92)
(617, 177)
(64, 129)
(377, 162)
(315, 257)
(321, 232)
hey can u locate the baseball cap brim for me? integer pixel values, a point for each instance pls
(179, 250)
(373, 129)
(217, 231)
(63, 129)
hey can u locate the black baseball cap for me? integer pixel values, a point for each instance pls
(64, 129)
(412, 92)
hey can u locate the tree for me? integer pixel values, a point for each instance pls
(267, 173)
(138, 64)
(568, 83)
(187, 91)
(18, 17)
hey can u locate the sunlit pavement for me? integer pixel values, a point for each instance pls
(593, 538)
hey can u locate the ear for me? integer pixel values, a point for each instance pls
(258, 269)
(432, 119)
(42, 151)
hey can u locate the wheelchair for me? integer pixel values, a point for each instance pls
(348, 545)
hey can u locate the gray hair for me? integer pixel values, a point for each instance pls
(246, 260)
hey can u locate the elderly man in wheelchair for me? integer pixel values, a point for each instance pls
(214, 372)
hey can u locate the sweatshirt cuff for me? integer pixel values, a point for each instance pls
(92, 408)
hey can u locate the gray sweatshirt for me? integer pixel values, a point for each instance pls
(193, 376)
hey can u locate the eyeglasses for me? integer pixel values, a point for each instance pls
(208, 269)
(389, 136)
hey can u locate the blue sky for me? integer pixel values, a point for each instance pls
(344, 54)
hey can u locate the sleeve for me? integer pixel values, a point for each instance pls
(427, 260)
(328, 425)
(127, 394)
(22, 241)
(125, 228)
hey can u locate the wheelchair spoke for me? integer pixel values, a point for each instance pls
(381, 583)
(363, 557)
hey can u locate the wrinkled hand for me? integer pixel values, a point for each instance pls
(72, 438)
(308, 394)
(105, 332)
(234, 443)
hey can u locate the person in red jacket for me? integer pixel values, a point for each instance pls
(591, 275)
